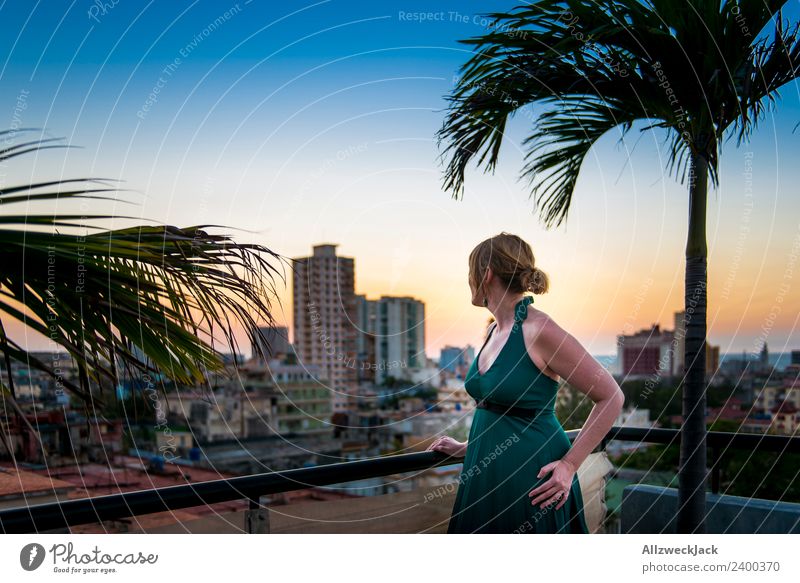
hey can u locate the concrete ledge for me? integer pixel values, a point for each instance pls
(653, 509)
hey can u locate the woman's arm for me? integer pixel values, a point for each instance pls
(564, 354)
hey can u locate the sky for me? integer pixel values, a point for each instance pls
(299, 123)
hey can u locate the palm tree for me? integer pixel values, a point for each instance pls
(697, 70)
(144, 300)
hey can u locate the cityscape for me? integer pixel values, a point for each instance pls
(353, 383)
(418, 267)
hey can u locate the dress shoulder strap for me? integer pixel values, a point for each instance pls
(521, 311)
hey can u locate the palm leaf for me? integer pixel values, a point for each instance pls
(143, 299)
(581, 68)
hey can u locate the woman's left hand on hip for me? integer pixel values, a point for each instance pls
(557, 487)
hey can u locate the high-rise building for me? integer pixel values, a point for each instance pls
(455, 358)
(325, 327)
(652, 351)
(367, 315)
(763, 359)
(399, 337)
(391, 337)
(645, 353)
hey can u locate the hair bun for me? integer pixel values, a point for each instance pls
(511, 260)
(537, 281)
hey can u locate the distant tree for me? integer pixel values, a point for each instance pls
(757, 474)
(654, 457)
(572, 407)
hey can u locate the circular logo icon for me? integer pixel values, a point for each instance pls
(31, 556)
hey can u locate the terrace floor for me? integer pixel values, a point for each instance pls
(400, 513)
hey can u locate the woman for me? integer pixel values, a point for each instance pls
(519, 473)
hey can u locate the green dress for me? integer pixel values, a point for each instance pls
(505, 453)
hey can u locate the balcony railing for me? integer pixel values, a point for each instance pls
(61, 515)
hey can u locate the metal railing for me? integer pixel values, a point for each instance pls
(61, 515)
(716, 441)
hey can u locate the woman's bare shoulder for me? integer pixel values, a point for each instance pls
(540, 322)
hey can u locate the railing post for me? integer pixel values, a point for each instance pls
(715, 463)
(257, 517)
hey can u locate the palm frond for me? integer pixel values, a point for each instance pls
(558, 146)
(773, 63)
(145, 299)
(689, 68)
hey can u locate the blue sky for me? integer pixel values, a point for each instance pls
(303, 122)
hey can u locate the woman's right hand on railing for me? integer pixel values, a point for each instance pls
(449, 446)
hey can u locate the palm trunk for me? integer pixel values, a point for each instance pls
(692, 472)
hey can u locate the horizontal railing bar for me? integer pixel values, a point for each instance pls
(717, 439)
(57, 515)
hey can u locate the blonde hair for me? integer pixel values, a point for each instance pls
(512, 260)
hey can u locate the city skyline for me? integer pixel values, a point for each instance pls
(249, 250)
(331, 138)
